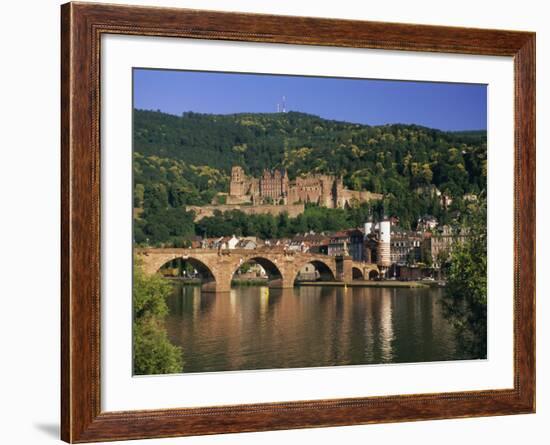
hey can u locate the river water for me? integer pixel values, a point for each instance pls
(258, 328)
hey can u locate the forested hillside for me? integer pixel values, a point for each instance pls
(187, 159)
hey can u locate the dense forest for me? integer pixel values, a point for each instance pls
(186, 160)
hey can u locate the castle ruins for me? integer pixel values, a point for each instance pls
(274, 187)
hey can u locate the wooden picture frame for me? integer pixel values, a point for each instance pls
(82, 26)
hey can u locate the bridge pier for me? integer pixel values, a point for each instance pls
(222, 283)
(214, 287)
(281, 283)
(344, 267)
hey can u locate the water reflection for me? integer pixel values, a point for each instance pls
(258, 327)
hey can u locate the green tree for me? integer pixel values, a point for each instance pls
(139, 191)
(152, 351)
(465, 300)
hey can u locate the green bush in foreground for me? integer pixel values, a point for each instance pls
(465, 301)
(152, 351)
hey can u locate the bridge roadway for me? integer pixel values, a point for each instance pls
(217, 267)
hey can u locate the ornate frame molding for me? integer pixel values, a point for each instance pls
(82, 26)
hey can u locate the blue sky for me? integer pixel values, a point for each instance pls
(446, 106)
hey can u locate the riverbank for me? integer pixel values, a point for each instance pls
(186, 281)
(356, 283)
(234, 282)
(249, 282)
(386, 283)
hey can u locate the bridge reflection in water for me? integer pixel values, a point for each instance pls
(262, 328)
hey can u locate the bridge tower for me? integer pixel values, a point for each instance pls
(384, 252)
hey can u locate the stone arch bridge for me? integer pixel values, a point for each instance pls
(217, 267)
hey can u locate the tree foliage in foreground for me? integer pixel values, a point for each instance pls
(465, 300)
(152, 351)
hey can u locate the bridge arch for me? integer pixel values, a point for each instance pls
(217, 268)
(357, 273)
(373, 274)
(208, 279)
(274, 274)
(324, 271)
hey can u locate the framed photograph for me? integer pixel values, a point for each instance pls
(274, 222)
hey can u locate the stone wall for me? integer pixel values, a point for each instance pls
(238, 199)
(347, 197)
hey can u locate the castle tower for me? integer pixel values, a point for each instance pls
(339, 200)
(277, 180)
(237, 183)
(285, 186)
(325, 191)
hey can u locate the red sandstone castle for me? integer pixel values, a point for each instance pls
(275, 187)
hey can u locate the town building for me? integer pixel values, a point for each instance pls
(426, 223)
(405, 247)
(347, 243)
(310, 242)
(394, 220)
(410, 272)
(248, 243)
(438, 245)
(432, 191)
